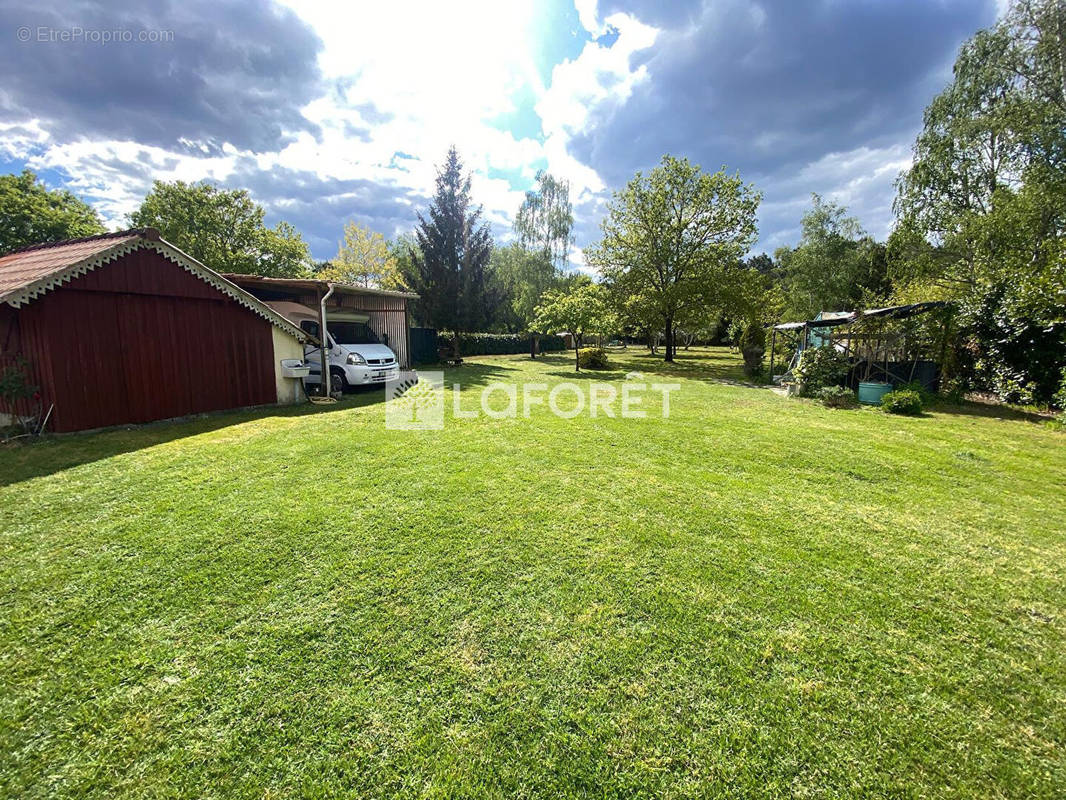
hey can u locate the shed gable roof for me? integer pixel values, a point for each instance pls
(26, 275)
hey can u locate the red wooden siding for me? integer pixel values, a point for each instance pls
(142, 339)
(11, 350)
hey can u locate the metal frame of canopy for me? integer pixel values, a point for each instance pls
(879, 343)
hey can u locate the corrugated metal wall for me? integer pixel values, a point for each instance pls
(388, 316)
(142, 339)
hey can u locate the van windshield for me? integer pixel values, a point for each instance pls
(352, 333)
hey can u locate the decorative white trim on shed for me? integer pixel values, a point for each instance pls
(31, 292)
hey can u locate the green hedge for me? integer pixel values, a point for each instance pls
(483, 344)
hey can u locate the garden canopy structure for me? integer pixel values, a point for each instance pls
(891, 344)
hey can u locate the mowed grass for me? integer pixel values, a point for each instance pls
(755, 596)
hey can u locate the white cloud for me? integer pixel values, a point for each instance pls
(599, 76)
(862, 180)
(115, 175)
(415, 76)
(587, 14)
(20, 138)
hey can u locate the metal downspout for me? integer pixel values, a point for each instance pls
(324, 336)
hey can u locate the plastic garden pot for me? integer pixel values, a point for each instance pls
(871, 392)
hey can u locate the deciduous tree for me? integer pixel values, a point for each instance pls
(224, 229)
(545, 220)
(30, 213)
(364, 259)
(981, 210)
(581, 309)
(669, 235)
(836, 266)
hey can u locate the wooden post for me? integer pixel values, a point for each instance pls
(773, 343)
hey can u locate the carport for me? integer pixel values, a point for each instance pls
(385, 312)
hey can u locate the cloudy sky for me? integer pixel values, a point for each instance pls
(329, 111)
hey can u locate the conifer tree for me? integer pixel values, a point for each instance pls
(447, 268)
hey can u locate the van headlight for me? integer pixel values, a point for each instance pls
(355, 358)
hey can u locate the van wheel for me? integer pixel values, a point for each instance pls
(337, 382)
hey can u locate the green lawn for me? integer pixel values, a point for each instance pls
(756, 596)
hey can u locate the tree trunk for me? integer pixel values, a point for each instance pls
(577, 353)
(669, 340)
(533, 346)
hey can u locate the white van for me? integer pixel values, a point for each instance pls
(356, 356)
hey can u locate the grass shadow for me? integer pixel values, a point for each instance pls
(475, 373)
(989, 411)
(33, 458)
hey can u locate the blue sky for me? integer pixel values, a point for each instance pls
(331, 111)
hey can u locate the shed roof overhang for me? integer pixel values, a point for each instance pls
(888, 312)
(312, 285)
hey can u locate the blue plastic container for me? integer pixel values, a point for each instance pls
(871, 392)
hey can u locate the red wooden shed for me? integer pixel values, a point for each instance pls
(125, 328)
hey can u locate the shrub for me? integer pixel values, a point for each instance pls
(820, 367)
(902, 401)
(926, 396)
(837, 397)
(1060, 396)
(953, 390)
(752, 346)
(592, 358)
(481, 344)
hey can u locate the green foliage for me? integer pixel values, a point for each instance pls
(15, 387)
(476, 344)
(283, 253)
(753, 336)
(448, 267)
(983, 208)
(223, 229)
(524, 276)
(927, 397)
(835, 266)
(820, 367)
(14, 383)
(1060, 396)
(31, 214)
(837, 397)
(545, 221)
(752, 347)
(670, 237)
(592, 358)
(952, 390)
(581, 310)
(364, 258)
(902, 401)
